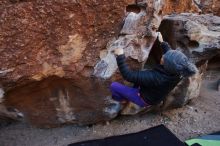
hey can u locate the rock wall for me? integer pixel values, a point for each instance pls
(198, 36)
(57, 39)
(175, 6)
(56, 56)
(195, 35)
(62, 38)
(209, 6)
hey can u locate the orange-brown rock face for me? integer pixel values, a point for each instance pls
(71, 41)
(176, 6)
(192, 6)
(210, 6)
(56, 59)
(39, 39)
(44, 38)
(55, 101)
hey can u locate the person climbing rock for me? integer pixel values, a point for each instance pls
(152, 86)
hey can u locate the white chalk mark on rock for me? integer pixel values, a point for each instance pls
(1, 94)
(64, 110)
(6, 71)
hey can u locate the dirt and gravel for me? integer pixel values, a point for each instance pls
(200, 116)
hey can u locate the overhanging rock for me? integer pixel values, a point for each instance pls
(56, 62)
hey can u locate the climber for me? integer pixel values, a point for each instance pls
(152, 86)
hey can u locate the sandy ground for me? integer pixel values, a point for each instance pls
(201, 116)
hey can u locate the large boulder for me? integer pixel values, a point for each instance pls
(55, 66)
(198, 36)
(136, 37)
(48, 53)
(56, 59)
(192, 6)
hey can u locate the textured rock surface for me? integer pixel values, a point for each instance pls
(198, 36)
(55, 54)
(175, 6)
(66, 39)
(186, 90)
(44, 38)
(136, 37)
(56, 101)
(209, 6)
(192, 6)
(40, 39)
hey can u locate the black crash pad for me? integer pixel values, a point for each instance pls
(156, 136)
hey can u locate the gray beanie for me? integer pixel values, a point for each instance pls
(175, 62)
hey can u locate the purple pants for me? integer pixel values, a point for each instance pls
(121, 93)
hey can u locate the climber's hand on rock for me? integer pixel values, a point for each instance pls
(118, 51)
(159, 37)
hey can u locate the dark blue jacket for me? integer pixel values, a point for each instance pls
(154, 84)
